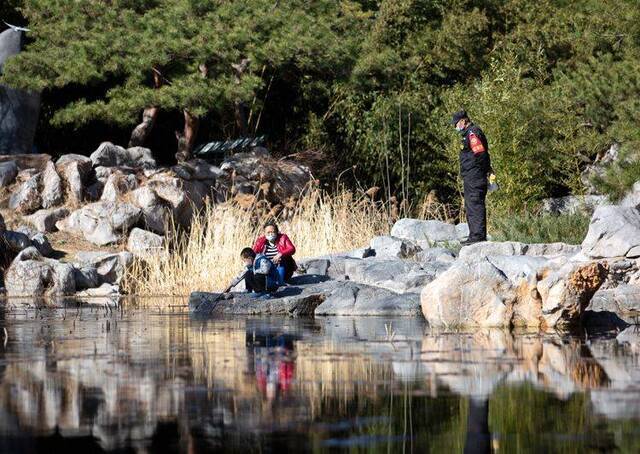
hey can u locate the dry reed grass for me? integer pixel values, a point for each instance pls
(207, 257)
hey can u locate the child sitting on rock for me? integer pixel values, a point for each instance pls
(260, 274)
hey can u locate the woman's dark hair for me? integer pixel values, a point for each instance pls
(273, 224)
(248, 253)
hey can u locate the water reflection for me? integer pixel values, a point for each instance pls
(168, 383)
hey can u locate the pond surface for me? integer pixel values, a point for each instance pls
(141, 381)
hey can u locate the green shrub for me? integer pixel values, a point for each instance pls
(531, 228)
(618, 179)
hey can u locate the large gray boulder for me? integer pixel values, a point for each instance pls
(431, 231)
(111, 266)
(16, 241)
(19, 109)
(505, 291)
(565, 293)
(198, 169)
(171, 192)
(397, 275)
(478, 251)
(83, 163)
(32, 275)
(105, 295)
(154, 213)
(8, 173)
(25, 237)
(573, 204)
(86, 276)
(45, 220)
(52, 192)
(75, 170)
(614, 231)
(621, 303)
(436, 254)
(309, 296)
(25, 198)
(278, 179)
(393, 247)
(352, 299)
(331, 266)
(110, 155)
(101, 222)
(469, 294)
(41, 243)
(301, 300)
(117, 185)
(632, 198)
(143, 243)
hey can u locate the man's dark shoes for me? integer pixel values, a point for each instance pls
(470, 241)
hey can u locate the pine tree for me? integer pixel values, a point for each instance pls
(194, 56)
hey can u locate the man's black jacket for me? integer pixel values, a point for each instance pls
(475, 162)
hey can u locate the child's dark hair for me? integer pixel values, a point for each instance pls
(271, 223)
(248, 253)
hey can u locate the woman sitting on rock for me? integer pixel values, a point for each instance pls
(279, 249)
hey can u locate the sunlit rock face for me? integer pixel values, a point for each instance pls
(18, 109)
(488, 292)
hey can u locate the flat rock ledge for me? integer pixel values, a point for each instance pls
(310, 295)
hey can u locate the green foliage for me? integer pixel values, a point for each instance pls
(368, 83)
(119, 44)
(530, 228)
(551, 83)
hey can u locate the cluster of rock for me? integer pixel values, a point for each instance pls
(119, 196)
(488, 284)
(383, 279)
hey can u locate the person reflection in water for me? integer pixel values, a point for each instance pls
(272, 359)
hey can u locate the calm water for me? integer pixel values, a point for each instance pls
(137, 381)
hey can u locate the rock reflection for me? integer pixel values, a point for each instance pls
(474, 364)
(138, 379)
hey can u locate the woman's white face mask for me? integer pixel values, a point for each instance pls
(271, 237)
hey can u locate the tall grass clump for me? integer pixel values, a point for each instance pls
(544, 228)
(206, 257)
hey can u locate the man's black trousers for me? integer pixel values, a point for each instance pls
(474, 204)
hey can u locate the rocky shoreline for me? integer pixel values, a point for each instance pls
(489, 284)
(113, 206)
(117, 202)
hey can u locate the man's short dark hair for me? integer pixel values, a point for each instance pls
(248, 253)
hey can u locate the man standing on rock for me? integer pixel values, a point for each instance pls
(475, 166)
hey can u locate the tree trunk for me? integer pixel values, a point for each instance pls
(187, 138)
(240, 107)
(149, 116)
(142, 131)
